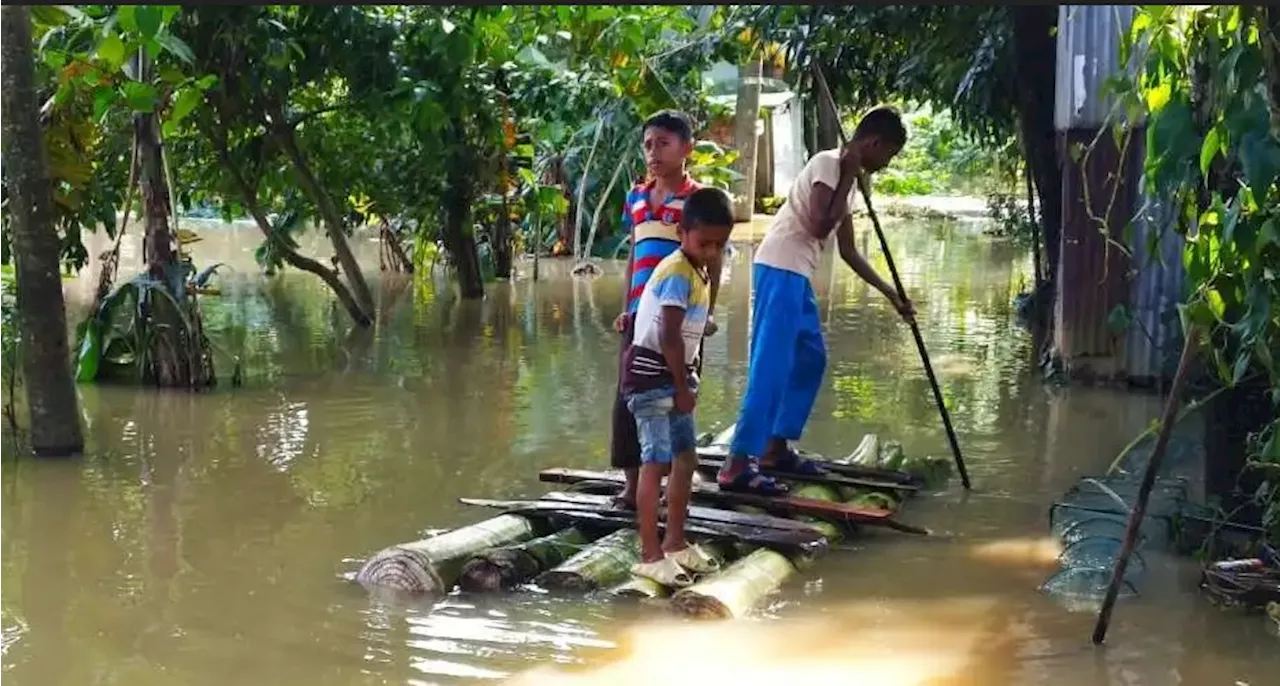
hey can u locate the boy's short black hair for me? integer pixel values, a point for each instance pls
(675, 121)
(707, 206)
(884, 123)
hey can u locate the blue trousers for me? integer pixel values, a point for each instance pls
(787, 360)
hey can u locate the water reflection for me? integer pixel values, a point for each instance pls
(201, 539)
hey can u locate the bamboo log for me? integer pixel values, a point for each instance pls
(825, 493)
(432, 565)
(640, 588)
(603, 564)
(735, 591)
(509, 566)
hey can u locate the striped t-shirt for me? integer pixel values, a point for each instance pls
(653, 233)
(675, 282)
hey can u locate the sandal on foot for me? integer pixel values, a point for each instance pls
(619, 503)
(792, 463)
(665, 571)
(695, 560)
(751, 481)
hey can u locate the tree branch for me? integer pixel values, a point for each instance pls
(250, 197)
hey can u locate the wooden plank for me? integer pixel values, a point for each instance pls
(711, 465)
(720, 452)
(789, 505)
(807, 542)
(707, 514)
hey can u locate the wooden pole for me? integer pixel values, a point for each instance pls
(821, 82)
(1139, 511)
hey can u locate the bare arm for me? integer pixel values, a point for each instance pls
(671, 340)
(631, 264)
(849, 253)
(713, 271)
(829, 206)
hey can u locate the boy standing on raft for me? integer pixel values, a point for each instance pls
(653, 210)
(660, 381)
(788, 355)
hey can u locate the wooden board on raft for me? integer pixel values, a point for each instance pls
(706, 492)
(809, 543)
(708, 514)
(875, 476)
(710, 466)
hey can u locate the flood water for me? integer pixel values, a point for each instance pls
(202, 538)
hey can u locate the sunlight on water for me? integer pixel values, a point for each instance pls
(851, 643)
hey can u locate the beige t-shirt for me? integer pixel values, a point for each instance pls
(788, 244)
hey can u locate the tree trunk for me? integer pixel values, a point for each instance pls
(158, 242)
(332, 219)
(1268, 21)
(459, 240)
(42, 319)
(746, 113)
(502, 250)
(1035, 53)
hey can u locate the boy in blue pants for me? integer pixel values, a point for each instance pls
(660, 383)
(788, 355)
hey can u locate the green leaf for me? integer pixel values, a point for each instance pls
(111, 51)
(1269, 234)
(1241, 366)
(127, 18)
(140, 96)
(149, 18)
(1217, 307)
(526, 175)
(176, 47)
(1208, 150)
(1119, 319)
(184, 103)
(103, 99)
(1158, 97)
(1260, 162)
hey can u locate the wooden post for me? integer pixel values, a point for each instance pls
(1139, 511)
(746, 113)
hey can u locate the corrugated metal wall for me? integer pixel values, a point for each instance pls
(1088, 55)
(1154, 339)
(1095, 279)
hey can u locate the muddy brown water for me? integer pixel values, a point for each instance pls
(201, 539)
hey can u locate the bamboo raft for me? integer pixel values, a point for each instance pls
(578, 540)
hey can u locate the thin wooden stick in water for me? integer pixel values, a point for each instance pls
(1167, 420)
(821, 82)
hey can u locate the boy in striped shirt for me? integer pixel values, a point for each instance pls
(653, 211)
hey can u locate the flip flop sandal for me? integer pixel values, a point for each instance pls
(791, 462)
(620, 503)
(751, 481)
(665, 572)
(695, 559)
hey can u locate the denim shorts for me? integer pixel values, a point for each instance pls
(664, 433)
